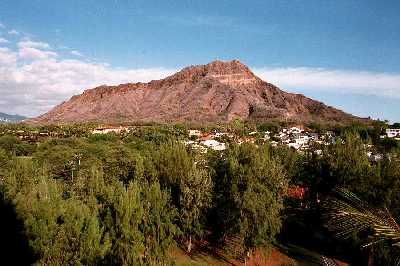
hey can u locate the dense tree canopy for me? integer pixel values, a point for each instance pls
(130, 199)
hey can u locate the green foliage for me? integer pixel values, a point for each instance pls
(56, 158)
(157, 224)
(347, 214)
(9, 143)
(395, 125)
(127, 199)
(291, 160)
(61, 230)
(123, 164)
(347, 162)
(123, 221)
(316, 127)
(173, 163)
(388, 145)
(273, 127)
(4, 158)
(190, 184)
(102, 138)
(194, 201)
(249, 188)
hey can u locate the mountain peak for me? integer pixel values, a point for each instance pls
(216, 92)
(227, 72)
(220, 67)
(234, 66)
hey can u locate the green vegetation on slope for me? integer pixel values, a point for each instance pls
(134, 198)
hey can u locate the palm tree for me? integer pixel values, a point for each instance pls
(347, 214)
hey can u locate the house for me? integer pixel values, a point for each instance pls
(295, 130)
(374, 157)
(313, 136)
(220, 134)
(274, 143)
(302, 139)
(206, 136)
(295, 146)
(107, 130)
(266, 136)
(213, 144)
(393, 132)
(194, 133)
(192, 144)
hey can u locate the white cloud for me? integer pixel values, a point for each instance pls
(34, 78)
(33, 50)
(13, 32)
(2, 40)
(2, 26)
(8, 58)
(35, 54)
(76, 53)
(31, 44)
(33, 87)
(343, 81)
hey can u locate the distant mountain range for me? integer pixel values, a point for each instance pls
(6, 118)
(216, 92)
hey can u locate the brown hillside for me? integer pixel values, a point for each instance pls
(216, 92)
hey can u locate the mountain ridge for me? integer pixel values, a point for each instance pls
(7, 118)
(215, 92)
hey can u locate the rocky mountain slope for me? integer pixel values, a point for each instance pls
(216, 92)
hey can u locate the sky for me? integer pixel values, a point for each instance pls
(343, 52)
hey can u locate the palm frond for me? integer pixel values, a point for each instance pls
(347, 214)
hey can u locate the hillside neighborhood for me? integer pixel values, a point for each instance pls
(295, 137)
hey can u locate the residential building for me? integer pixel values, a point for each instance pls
(213, 144)
(393, 132)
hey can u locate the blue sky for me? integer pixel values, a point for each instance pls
(343, 52)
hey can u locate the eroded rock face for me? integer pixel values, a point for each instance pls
(219, 91)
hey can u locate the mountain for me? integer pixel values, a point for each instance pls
(6, 118)
(216, 92)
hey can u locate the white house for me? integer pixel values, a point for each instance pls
(106, 130)
(194, 132)
(274, 143)
(302, 139)
(374, 157)
(266, 135)
(393, 132)
(295, 130)
(213, 144)
(295, 146)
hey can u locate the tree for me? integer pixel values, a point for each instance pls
(250, 186)
(61, 231)
(195, 199)
(140, 222)
(396, 125)
(9, 143)
(346, 164)
(190, 185)
(346, 215)
(4, 158)
(123, 220)
(157, 224)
